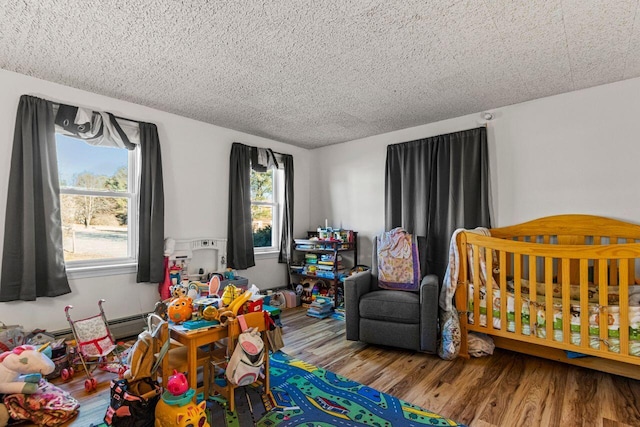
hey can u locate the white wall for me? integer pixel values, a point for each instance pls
(577, 152)
(195, 158)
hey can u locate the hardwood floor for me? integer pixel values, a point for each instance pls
(506, 389)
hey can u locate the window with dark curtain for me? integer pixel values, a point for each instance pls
(240, 253)
(33, 262)
(434, 186)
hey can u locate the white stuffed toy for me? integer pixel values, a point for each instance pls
(20, 371)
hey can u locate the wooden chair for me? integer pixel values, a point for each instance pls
(176, 357)
(220, 356)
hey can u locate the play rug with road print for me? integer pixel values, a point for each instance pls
(305, 395)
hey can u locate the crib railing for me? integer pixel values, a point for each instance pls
(556, 290)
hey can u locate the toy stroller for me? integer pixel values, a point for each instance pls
(93, 340)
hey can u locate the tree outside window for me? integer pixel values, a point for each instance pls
(264, 209)
(96, 201)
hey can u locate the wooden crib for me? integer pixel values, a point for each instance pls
(561, 287)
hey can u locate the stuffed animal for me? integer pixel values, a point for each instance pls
(20, 371)
(178, 291)
(22, 368)
(180, 309)
(161, 310)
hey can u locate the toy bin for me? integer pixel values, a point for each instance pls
(293, 299)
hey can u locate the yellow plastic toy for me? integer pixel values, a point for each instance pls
(239, 302)
(181, 414)
(210, 313)
(230, 293)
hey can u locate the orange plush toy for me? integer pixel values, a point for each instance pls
(180, 309)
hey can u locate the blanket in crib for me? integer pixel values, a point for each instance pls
(398, 263)
(48, 406)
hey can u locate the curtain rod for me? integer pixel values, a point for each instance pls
(129, 120)
(482, 125)
(253, 146)
(117, 117)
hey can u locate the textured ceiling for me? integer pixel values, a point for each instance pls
(313, 73)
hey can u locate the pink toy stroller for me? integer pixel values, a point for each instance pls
(93, 341)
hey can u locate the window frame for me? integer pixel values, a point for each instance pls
(276, 205)
(118, 265)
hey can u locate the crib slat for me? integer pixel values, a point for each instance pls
(603, 302)
(533, 293)
(476, 284)
(503, 292)
(548, 297)
(517, 289)
(566, 300)
(489, 264)
(624, 306)
(584, 303)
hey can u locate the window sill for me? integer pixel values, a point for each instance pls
(100, 270)
(266, 255)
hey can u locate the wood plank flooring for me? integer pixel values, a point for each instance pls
(506, 389)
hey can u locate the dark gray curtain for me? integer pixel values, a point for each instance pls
(151, 222)
(434, 186)
(33, 263)
(239, 233)
(286, 242)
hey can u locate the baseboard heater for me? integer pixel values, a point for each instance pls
(124, 327)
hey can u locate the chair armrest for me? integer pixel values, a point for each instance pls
(354, 287)
(429, 289)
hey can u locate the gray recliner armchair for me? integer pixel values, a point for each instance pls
(402, 319)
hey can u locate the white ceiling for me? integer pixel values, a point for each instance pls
(314, 73)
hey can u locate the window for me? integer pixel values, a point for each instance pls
(98, 198)
(266, 199)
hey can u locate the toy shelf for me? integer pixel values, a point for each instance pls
(320, 262)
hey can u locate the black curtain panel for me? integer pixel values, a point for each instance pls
(286, 242)
(239, 233)
(151, 221)
(434, 186)
(33, 262)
